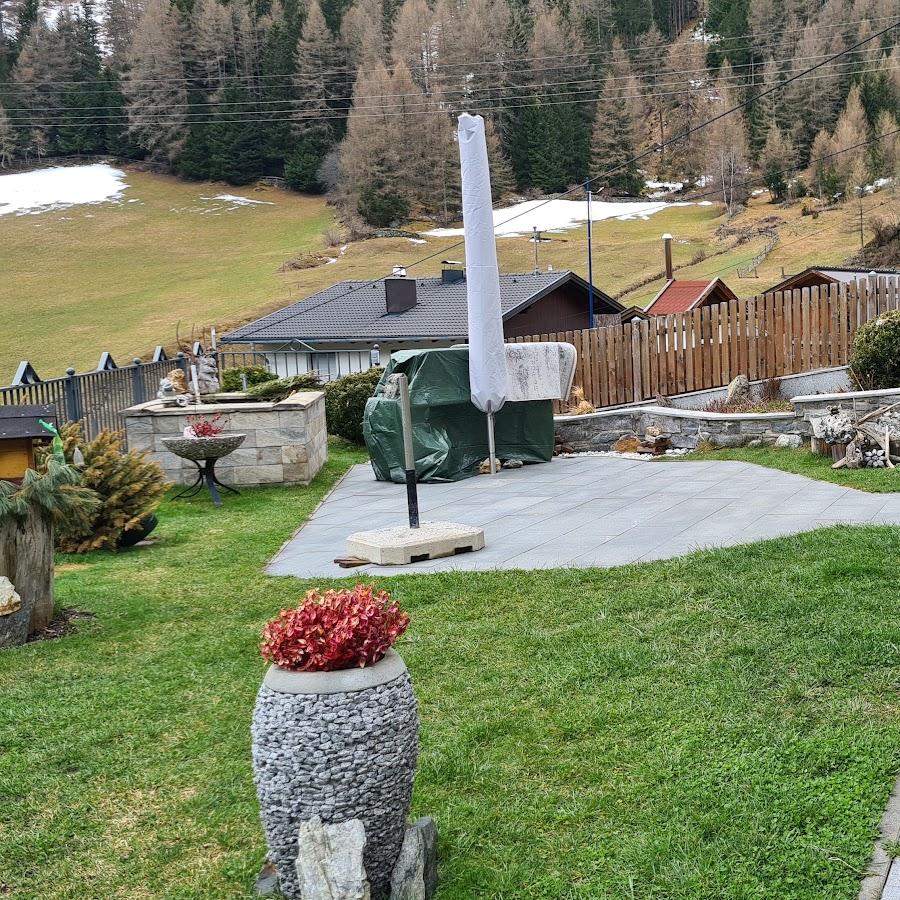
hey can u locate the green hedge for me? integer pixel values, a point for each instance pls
(345, 403)
(875, 360)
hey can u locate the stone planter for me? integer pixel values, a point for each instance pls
(339, 745)
(200, 448)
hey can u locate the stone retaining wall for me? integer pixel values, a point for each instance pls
(687, 427)
(286, 442)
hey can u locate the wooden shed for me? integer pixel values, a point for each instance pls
(20, 432)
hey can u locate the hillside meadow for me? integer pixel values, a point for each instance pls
(121, 276)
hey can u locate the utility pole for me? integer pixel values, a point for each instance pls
(587, 187)
(535, 237)
(862, 236)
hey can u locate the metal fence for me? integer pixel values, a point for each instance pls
(98, 398)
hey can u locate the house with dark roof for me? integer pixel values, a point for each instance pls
(337, 330)
(681, 296)
(822, 276)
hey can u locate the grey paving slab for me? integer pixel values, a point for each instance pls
(584, 511)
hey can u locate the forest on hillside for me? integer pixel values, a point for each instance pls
(357, 98)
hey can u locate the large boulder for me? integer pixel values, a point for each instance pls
(738, 391)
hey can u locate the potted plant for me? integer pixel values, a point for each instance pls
(335, 729)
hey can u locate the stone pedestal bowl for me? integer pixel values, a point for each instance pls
(200, 448)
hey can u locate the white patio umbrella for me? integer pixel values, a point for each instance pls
(487, 358)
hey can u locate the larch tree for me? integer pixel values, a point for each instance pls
(414, 42)
(122, 17)
(362, 33)
(7, 140)
(825, 181)
(728, 162)
(775, 163)
(689, 107)
(886, 155)
(851, 130)
(612, 142)
(503, 180)
(154, 85)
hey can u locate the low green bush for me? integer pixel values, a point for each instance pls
(231, 378)
(875, 360)
(345, 403)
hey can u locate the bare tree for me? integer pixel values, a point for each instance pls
(7, 141)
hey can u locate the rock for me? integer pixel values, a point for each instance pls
(267, 880)
(415, 874)
(330, 861)
(512, 464)
(738, 390)
(788, 441)
(628, 443)
(756, 442)
(10, 601)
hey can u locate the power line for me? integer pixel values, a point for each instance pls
(651, 93)
(177, 115)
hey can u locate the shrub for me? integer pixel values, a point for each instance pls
(231, 378)
(382, 208)
(128, 485)
(875, 360)
(345, 403)
(281, 388)
(341, 629)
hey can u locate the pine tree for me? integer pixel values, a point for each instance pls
(154, 84)
(612, 145)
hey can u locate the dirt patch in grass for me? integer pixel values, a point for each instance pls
(63, 624)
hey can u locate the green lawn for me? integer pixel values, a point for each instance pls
(719, 726)
(803, 462)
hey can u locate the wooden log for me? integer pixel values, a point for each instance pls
(26, 559)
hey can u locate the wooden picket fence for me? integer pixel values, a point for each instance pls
(764, 337)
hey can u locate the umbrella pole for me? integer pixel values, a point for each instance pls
(492, 449)
(409, 456)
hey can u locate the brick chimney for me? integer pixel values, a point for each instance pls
(667, 243)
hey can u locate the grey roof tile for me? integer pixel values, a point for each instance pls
(355, 310)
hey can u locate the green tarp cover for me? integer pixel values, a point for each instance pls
(449, 432)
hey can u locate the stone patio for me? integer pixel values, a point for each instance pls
(584, 511)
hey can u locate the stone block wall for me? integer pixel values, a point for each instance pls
(286, 443)
(687, 427)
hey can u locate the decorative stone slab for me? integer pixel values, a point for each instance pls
(330, 861)
(199, 448)
(402, 545)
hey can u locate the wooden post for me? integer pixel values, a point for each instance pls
(26, 559)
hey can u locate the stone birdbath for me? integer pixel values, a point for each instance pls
(204, 452)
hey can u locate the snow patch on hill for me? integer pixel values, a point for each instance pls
(57, 187)
(560, 215)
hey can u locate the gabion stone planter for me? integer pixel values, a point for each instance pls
(339, 745)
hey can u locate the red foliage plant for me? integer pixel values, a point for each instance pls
(203, 427)
(336, 630)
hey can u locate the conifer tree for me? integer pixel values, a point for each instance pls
(154, 84)
(319, 88)
(886, 156)
(413, 42)
(7, 141)
(612, 144)
(234, 152)
(362, 33)
(852, 128)
(775, 161)
(502, 179)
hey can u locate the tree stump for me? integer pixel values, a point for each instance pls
(26, 559)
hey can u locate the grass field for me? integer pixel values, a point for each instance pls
(719, 726)
(120, 276)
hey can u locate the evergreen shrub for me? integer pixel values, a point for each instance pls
(875, 360)
(345, 403)
(231, 378)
